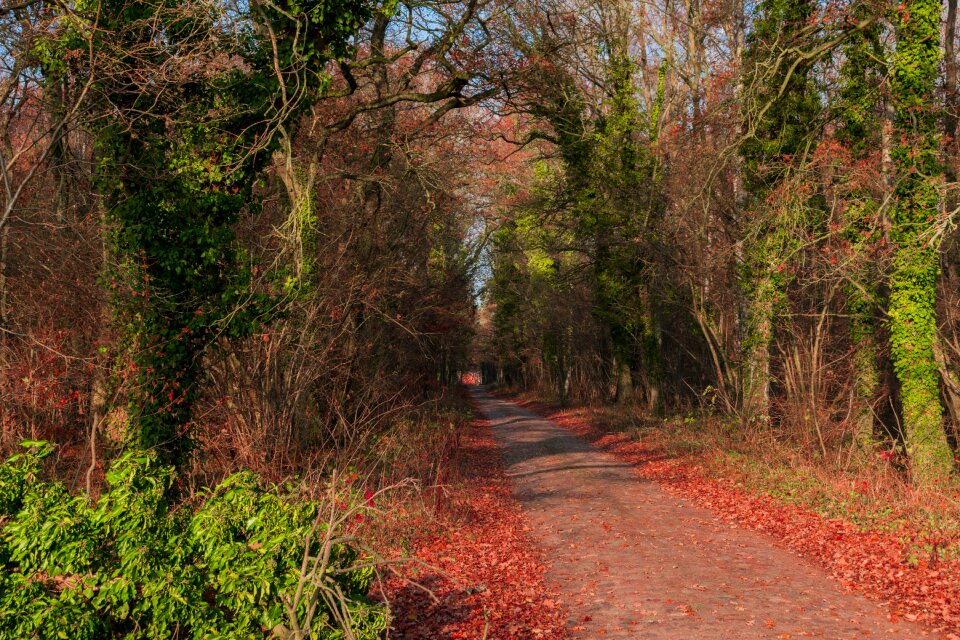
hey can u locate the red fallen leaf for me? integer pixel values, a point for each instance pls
(587, 618)
(871, 562)
(476, 598)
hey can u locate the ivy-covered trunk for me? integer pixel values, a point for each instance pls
(4, 250)
(780, 110)
(866, 373)
(298, 176)
(756, 350)
(862, 88)
(916, 264)
(178, 158)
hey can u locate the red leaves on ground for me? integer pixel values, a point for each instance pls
(872, 563)
(483, 567)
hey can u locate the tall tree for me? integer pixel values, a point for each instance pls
(861, 114)
(916, 263)
(186, 109)
(781, 106)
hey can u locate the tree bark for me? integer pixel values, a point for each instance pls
(916, 264)
(950, 88)
(756, 351)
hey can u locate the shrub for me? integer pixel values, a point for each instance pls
(246, 561)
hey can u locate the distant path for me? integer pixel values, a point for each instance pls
(632, 561)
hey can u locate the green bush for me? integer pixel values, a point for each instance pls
(134, 565)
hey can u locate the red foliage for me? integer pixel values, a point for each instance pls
(872, 563)
(482, 566)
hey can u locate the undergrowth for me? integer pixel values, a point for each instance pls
(424, 448)
(146, 555)
(244, 560)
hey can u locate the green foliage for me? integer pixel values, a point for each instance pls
(782, 99)
(916, 264)
(861, 77)
(134, 566)
(781, 107)
(528, 273)
(654, 120)
(627, 203)
(178, 159)
(600, 204)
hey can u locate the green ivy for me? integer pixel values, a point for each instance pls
(916, 264)
(861, 77)
(134, 566)
(781, 106)
(178, 161)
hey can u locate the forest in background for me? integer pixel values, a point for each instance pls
(745, 210)
(270, 237)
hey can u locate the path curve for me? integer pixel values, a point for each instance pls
(632, 561)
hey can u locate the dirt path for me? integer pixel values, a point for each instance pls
(632, 561)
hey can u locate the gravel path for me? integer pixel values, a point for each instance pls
(631, 561)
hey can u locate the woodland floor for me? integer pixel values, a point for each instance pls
(631, 560)
(482, 567)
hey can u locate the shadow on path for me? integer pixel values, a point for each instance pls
(635, 562)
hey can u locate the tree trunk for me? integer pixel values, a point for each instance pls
(624, 377)
(950, 88)
(652, 353)
(912, 336)
(4, 310)
(300, 228)
(916, 264)
(756, 351)
(866, 373)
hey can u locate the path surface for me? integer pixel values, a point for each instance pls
(632, 561)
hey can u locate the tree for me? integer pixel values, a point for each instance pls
(916, 264)
(860, 111)
(186, 111)
(781, 108)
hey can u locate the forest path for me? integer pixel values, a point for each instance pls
(632, 561)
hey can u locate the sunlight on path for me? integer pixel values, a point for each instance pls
(632, 561)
